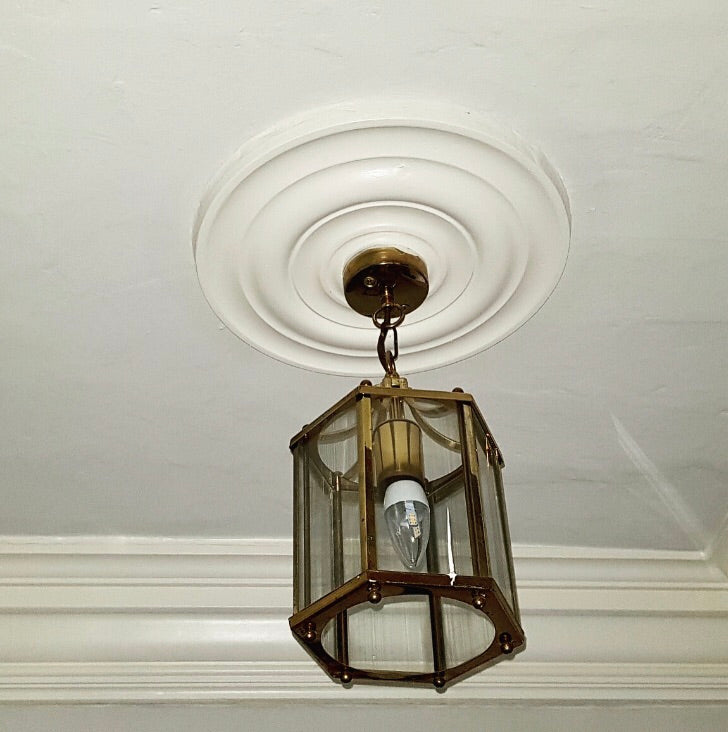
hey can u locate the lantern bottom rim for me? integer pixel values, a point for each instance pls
(482, 593)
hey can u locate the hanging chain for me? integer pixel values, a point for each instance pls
(388, 317)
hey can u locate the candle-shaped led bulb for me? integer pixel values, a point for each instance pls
(407, 513)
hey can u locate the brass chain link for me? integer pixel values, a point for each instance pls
(388, 317)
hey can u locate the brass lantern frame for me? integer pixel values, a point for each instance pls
(480, 590)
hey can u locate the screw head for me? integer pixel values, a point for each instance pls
(459, 390)
(310, 633)
(370, 282)
(365, 382)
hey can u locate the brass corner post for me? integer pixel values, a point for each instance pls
(368, 542)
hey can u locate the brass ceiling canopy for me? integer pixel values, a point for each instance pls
(373, 272)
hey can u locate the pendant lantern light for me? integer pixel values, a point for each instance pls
(402, 557)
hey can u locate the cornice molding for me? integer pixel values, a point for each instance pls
(115, 619)
(302, 680)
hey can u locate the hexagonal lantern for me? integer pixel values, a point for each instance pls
(402, 560)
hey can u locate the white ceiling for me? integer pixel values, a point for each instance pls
(129, 409)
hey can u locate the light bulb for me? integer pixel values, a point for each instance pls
(407, 513)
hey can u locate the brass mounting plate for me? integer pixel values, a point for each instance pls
(368, 274)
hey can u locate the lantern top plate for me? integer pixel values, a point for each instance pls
(366, 389)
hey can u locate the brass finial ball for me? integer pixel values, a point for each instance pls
(438, 682)
(346, 677)
(375, 593)
(506, 643)
(310, 635)
(479, 602)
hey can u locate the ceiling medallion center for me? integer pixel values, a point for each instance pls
(484, 212)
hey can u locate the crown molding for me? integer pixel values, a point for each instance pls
(117, 619)
(220, 681)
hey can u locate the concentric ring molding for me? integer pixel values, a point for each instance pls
(485, 211)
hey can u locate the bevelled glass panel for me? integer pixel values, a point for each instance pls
(438, 421)
(393, 635)
(466, 632)
(512, 597)
(301, 561)
(315, 548)
(327, 507)
(493, 503)
(335, 445)
(432, 435)
(351, 526)
(450, 551)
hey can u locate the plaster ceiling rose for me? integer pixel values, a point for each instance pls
(484, 210)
